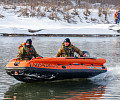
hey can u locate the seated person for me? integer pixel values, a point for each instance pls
(26, 51)
(67, 49)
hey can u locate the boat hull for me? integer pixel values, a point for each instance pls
(36, 70)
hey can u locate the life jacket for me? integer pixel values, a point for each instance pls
(116, 15)
(27, 51)
(68, 51)
(21, 45)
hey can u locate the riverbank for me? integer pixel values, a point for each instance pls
(81, 30)
(14, 25)
(63, 35)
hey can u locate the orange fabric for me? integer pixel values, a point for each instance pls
(58, 62)
(115, 15)
(21, 45)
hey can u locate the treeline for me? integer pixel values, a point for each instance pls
(72, 3)
(70, 11)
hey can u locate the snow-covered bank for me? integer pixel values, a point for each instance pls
(12, 24)
(57, 29)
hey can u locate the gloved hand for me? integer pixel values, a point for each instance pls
(39, 57)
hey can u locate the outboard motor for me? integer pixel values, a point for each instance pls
(86, 54)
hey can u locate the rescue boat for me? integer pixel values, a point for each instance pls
(56, 68)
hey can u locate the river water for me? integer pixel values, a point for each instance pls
(104, 86)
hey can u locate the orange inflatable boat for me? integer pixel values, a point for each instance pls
(42, 69)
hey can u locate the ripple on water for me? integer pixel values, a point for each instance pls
(104, 86)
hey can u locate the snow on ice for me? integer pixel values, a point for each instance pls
(12, 24)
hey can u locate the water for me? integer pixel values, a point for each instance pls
(104, 86)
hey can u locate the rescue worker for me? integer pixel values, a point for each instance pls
(116, 17)
(26, 51)
(67, 49)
